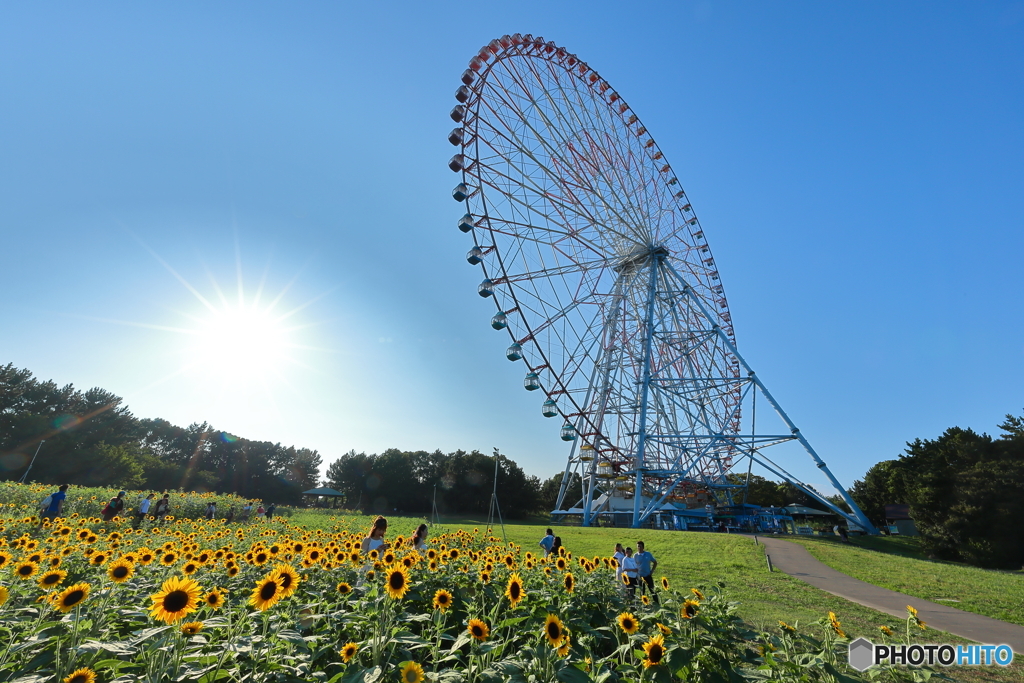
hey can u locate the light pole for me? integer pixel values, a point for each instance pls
(494, 500)
(24, 477)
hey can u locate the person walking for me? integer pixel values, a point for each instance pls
(142, 510)
(53, 505)
(547, 542)
(270, 511)
(630, 571)
(211, 510)
(260, 512)
(230, 517)
(646, 564)
(114, 507)
(163, 506)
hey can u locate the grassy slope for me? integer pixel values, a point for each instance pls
(896, 564)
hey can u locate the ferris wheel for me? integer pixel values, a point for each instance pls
(605, 282)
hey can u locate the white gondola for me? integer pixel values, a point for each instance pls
(474, 256)
(514, 352)
(532, 382)
(499, 321)
(486, 288)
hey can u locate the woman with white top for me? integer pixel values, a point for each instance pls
(375, 541)
(618, 556)
(630, 573)
(419, 539)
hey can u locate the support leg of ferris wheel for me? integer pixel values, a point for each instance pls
(600, 378)
(645, 388)
(862, 519)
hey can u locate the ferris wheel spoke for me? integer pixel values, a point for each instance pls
(589, 110)
(522, 145)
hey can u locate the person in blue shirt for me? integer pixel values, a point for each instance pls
(56, 506)
(547, 542)
(646, 564)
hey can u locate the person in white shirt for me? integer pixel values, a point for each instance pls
(618, 556)
(630, 573)
(143, 510)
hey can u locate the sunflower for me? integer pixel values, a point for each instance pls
(5, 558)
(431, 554)
(485, 577)
(646, 599)
(25, 570)
(569, 582)
(563, 649)
(348, 652)
(71, 596)
(370, 574)
(886, 630)
(120, 571)
(287, 577)
(98, 559)
(561, 564)
(190, 568)
(478, 629)
(191, 628)
(665, 630)
(514, 591)
(443, 600)
(344, 588)
(267, 592)
(396, 581)
(655, 650)
(697, 593)
(628, 623)
(786, 627)
(214, 599)
(233, 570)
(689, 609)
(910, 610)
(177, 598)
(85, 675)
(168, 558)
(4, 594)
(554, 630)
(664, 582)
(412, 673)
(52, 578)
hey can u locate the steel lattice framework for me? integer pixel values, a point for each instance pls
(603, 277)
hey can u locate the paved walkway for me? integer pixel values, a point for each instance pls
(793, 559)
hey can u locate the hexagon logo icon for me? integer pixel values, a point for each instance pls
(861, 651)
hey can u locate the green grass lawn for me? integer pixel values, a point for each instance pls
(897, 564)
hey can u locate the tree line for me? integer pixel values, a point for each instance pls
(965, 491)
(92, 439)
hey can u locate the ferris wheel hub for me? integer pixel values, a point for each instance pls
(640, 257)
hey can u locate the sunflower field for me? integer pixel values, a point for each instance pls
(194, 600)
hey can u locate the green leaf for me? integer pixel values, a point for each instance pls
(570, 674)
(511, 622)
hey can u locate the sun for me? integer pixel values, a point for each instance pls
(241, 342)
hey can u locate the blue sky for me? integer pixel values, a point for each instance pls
(856, 167)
